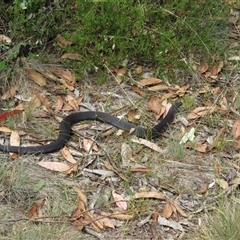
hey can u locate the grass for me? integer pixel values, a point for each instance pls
(18, 192)
(189, 102)
(44, 128)
(170, 38)
(223, 222)
(169, 34)
(176, 151)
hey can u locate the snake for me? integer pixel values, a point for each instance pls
(68, 121)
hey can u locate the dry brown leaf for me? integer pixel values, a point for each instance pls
(14, 141)
(203, 148)
(95, 223)
(162, 87)
(36, 208)
(142, 169)
(203, 189)
(120, 201)
(223, 103)
(119, 216)
(203, 67)
(81, 218)
(120, 132)
(182, 90)
(214, 71)
(48, 75)
(44, 101)
(67, 155)
(149, 81)
(148, 144)
(154, 104)
(72, 56)
(173, 207)
(216, 90)
(115, 69)
(54, 166)
(73, 102)
(67, 107)
(155, 215)
(78, 212)
(36, 77)
(132, 115)
(82, 197)
(59, 103)
(88, 145)
(21, 107)
(179, 209)
(12, 92)
(200, 112)
(65, 84)
(150, 195)
(79, 223)
(72, 169)
(5, 40)
(65, 75)
(120, 75)
(62, 42)
(5, 130)
(167, 210)
(105, 221)
(236, 129)
(168, 95)
(138, 91)
(138, 70)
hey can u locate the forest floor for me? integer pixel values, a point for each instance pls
(108, 184)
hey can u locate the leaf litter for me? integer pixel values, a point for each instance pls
(83, 217)
(166, 206)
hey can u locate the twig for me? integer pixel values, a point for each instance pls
(13, 220)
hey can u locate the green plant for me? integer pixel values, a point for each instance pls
(3, 66)
(176, 150)
(223, 223)
(36, 22)
(189, 102)
(12, 181)
(167, 33)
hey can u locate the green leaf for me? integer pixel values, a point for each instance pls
(39, 185)
(3, 65)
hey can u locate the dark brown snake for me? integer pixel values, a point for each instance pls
(67, 122)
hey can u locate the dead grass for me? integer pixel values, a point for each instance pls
(18, 183)
(179, 173)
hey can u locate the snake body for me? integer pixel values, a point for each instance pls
(67, 122)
